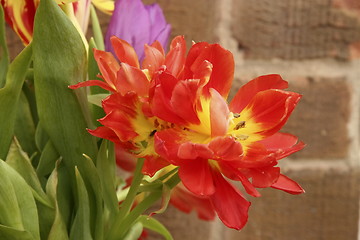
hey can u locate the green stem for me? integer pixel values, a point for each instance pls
(129, 200)
(99, 39)
(141, 208)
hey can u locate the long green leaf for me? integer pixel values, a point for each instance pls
(80, 229)
(58, 229)
(17, 204)
(4, 53)
(60, 60)
(14, 234)
(25, 127)
(48, 158)
(107, 171)
(20, 161)
(9, 98)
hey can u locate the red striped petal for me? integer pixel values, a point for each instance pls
(88, 83)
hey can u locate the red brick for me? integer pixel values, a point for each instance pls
(194, 19)
(321, 117)
(295, 29)
(329, 209)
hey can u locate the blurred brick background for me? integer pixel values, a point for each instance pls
(315, 45)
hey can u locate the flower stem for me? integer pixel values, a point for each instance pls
(121, 229)
(129, 200)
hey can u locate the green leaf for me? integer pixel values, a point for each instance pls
(94, 190)
(47, 161)
(81, 226)
(4, 53)
(14, 234)
(24, 126)
(20, 161)
(64, 194)
(155, 225)
(17, 205)
(41, 137)
(107, 172)
(58, 229)
(9, 98)
(59, 61)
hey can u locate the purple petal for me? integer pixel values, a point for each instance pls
(138, 25)
(159, 29)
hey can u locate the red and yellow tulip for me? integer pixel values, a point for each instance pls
(19, 14)
(173, 111)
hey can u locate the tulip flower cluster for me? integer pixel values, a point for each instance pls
(162, 116)
(172, 111)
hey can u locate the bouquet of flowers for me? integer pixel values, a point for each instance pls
(74, 111)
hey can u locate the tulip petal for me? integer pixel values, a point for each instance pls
(153, 60)
(283, 144)
(159, 28)
(183, 100)
(175, 59)
(196, 176)
(185, 201)
(125, 52)
(130, 79)
(250, 89)
(189, 150)
(152, 164)
(130, 21)
(268, 111)
(264, 177)
(219, 114)
(89, 83)
(231, 207)
(226, 148)
(286, 184)
(222, 66)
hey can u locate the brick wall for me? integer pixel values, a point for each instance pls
(315, 45)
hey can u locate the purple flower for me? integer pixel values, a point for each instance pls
(137, 24)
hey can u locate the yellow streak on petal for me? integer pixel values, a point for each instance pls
(142, 125)
(248, 132)
(204, 116)
(18, 8)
